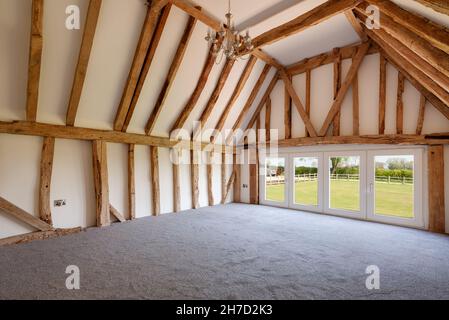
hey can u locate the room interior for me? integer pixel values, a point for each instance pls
(216, 149)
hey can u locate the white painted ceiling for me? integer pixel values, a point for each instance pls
(116, 38)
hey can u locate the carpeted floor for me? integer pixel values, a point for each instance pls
(232, 252)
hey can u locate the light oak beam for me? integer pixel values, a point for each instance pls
(195, 176)
(116, 214)
(39, 235)
(155, 187)
(146, 35)
(83, 60)
(131, 183)
(441, 6)
(46, 169)
(337, 86)
(400, 105)
(35, 58)
(436, 189)
(22, 215)
(147, 64)
(210, 179)
(176, 182)
(308, 95)
(101, 184)
(336, 106)
(268, 120)
(421, 114)
(176, 63)
(355, 106)
(382, 93)
(288, 112)
(356, 25)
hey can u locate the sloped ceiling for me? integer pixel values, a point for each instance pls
(116, 38)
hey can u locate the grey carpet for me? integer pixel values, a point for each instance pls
(232, 252)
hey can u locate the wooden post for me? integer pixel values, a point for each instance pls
(436, 189)
(355, 106)
(237, 182)
(176, 185)
(223, 175)
(210, 179)
(194, 171)
(101, 183)
(422, 111)
(45, 179)
(131, 183)
(287, 112)
(382, 93)
(400, 105)
(308, 95)
(253, 176)
(268, 120)
(337, 86)
(154, 153)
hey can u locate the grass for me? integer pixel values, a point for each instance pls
(391, 199)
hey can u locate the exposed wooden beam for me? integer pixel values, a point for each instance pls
(228, 187)
(142, 48)
(268, 119)
(263, 102)
(421, 114)
(215, 94)
(313, 17)
(400, 105)
(195, 176)
(176, 182)
(35, 58)
(147, 63)
(382, 93)
(437, 103)
(436, 34)
(355, 106)
(100, 165)
(308, 95)
(416, 73)
(355, 25)
(432, 61)
(238, 89)
(287, 112)
(253, 176)
(83, 60)
(299, 107)
(337, 86)
(77, 133)
(238, 181)
(223, 175)
(336, 106)
(210, 178)
(185, 113)
(176, 63)
(22, 215)
(46, 168)
(39, 235)
(262, 55)
(311, 63)
(131, 183)
(155, 187)
(250, 101)
(441, 6)
(393, 139)
(436, 189)
(195, 12)
(116, 214)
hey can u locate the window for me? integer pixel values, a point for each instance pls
(306, 184)
(275, 186)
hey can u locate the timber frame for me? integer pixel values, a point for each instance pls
(415, 46)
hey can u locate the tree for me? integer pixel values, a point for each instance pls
(335, 162)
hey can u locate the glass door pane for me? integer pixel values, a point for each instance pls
(393, 187)
(306, 184)
(275, 180)
(344, 181)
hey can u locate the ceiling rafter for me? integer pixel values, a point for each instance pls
(147, 64)
(90, 27)
(437, 58)
(249, 102)
(176, 63)
(185, 113)
(313, 17)
(142, 48)
(441, 6)
(35, 58)
(237, 91)
(215, 95)
(355, 24)
(437, 35)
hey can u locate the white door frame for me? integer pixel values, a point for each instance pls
(262, 182)
(291, 196)
(418, 220)
(362, 183)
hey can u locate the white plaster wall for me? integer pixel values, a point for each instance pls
(166, 180)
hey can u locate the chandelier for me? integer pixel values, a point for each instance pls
(228, 41)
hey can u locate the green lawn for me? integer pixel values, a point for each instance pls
(391, 199)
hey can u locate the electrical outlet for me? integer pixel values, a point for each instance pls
(245, 186)
(60, 203)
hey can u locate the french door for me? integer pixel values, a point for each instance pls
(395, 187)
(376, 185)
(345, 183)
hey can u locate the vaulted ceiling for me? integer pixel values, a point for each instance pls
(114, 46)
